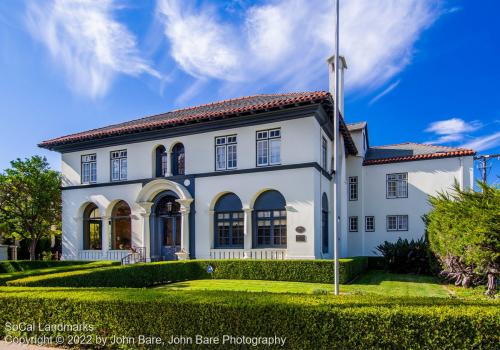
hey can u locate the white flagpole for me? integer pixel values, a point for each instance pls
(336, 135)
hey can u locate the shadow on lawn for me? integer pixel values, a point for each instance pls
(378, 277)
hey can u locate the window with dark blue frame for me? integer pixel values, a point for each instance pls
(119, 165)
(270, 222)
(324, 222)
(324, 153)
(161, 161)
(89, 169)
(178, 160)
(229, 222)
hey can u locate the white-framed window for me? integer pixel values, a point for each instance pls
(397, 222)
(324, 153)
(268, 147)
(397, 185)
(353, 188)
(353, 224)
(89, 169)
(226, 153)
(119, 165)
(369, 223)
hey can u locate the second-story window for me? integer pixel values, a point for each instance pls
(119, 165)
(226, 152)
(324, 153)
(268, 147)
(89, 169)
(397, 185)
(353, 188)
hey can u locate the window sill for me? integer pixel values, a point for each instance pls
(267, 165)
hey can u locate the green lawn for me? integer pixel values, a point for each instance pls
(373, 282)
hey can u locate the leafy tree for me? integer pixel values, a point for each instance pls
(464, 232)
(30, 200)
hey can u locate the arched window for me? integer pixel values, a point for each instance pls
(270, 220)
(324, 222)
(161, 161)
(92, 228)
(178, 160)
(228, 219)
(121, 226)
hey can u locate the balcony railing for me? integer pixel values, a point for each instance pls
(116, 255)
(266, 254)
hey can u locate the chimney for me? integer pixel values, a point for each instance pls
(331, 78)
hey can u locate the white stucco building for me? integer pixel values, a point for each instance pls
(254, 177)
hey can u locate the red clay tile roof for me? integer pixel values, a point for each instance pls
(410, 151)
(221, 109)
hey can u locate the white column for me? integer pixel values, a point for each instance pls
(211, 227)
(185, 209)
(247, 231)
(169, 164)
(146, 233)
(106, 236)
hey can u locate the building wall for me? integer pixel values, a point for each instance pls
(425, 177)
(300, 143)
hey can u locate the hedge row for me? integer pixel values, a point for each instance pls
(5, 277)
(9, 266)
(147, 275)
(306, 321)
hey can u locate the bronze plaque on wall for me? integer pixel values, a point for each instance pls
(300, 238)
(300, 229)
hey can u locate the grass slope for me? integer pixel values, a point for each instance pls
(373, 282)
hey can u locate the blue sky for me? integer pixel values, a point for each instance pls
(419, 70)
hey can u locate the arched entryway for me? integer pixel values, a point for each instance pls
(167, 207)
(167, 227)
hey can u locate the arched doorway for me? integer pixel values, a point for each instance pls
(121, 227)
(167, 223)
(92, 228)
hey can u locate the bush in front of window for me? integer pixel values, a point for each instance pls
(307, 321)
(147, 275)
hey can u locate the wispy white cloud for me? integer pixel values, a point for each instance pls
(385, 92)
(456, 130)
(453, 126)
(202, 46)
(483, 143)
(87, 41)
(286, 42)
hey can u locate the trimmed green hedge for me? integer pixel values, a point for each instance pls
(147, 275)
(307, 321)
(4, 277)
(9, 266)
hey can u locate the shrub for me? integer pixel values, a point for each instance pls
(147, 275)
(464, 232)
(307, 321)
(9, 266)
(4, 277)
(405, 256)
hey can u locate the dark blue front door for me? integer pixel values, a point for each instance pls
(170, 229)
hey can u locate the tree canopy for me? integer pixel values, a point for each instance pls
(30, 200)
